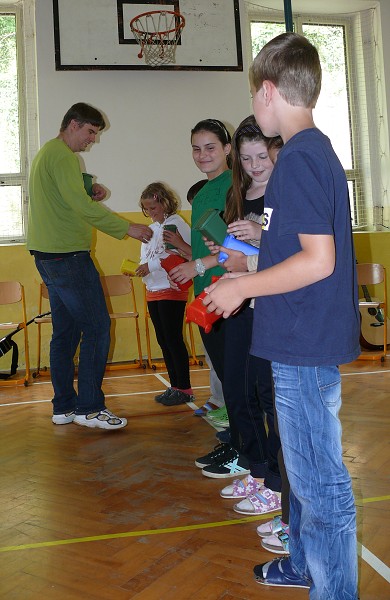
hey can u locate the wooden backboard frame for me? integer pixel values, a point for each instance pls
(80, 46)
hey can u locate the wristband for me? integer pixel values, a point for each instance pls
(200, 267)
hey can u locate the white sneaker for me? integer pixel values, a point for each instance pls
(103, 419)
(64, 419)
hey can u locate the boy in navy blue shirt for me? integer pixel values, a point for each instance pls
(306, 270)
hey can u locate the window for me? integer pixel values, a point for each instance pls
(348, 110)
(13, 122)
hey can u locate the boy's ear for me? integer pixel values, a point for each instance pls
(268, 89)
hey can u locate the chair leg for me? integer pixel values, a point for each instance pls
(193, 359)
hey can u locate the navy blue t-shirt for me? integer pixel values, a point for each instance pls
(308, 194)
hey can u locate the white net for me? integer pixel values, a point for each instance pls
(158, 33)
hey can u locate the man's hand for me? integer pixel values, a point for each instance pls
(98, 192)
(143, 233)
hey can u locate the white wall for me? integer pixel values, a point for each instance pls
(150, 116)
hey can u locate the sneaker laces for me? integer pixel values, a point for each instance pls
(219, 451)
(226, 456)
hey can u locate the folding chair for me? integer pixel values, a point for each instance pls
(43, 305)
(12, 292)
(122, 285)
(373, 312)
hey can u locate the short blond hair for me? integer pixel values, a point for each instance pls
(292, 64)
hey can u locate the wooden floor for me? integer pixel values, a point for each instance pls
(94, 515)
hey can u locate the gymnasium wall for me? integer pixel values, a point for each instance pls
(150, 115)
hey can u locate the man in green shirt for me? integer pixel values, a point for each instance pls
(61, 221)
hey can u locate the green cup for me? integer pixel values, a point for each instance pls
(170, 228)
(212, 226)
(88, 182)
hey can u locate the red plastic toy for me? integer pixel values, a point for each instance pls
(172, 261)
(197, 312)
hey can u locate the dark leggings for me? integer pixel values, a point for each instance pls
(249, 400)
(214, 342)
(167, 318)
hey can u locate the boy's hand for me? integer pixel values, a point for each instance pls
(223, 297)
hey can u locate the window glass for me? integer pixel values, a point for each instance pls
(9, 104)
(340, 108)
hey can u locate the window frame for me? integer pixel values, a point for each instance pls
(363, 204)
(27, 107)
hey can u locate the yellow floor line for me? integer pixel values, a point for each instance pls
(112, 536)
(128, 534)
(377, 499)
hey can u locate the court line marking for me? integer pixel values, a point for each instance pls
(191, 404)
(375, 499)
(381, 568)
(128, 534)
(365, 373)
(106, 378)
(109, 378)
(373, 561)
(164, 381)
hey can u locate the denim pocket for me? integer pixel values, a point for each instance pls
(329, 385)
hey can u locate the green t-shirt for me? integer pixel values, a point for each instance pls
(212, 195)
(61, 215)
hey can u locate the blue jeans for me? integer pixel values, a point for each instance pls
(79, 311)
(323, 542)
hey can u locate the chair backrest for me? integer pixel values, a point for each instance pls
(10, 292)
(44, 292)
(370, 273)
(116, 285)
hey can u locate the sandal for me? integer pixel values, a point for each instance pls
(271, 527)
(241, 488)
(278, 543)
(279, 573)
(204, 410)
(260, 503)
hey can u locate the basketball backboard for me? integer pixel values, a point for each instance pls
(96, 34)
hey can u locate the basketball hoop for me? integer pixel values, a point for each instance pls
(158, 33)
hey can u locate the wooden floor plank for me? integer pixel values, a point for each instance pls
(90, 488)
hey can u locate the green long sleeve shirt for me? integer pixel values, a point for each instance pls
(212, 195)
(61, 215)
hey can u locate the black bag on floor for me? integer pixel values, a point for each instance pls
(6, 344)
